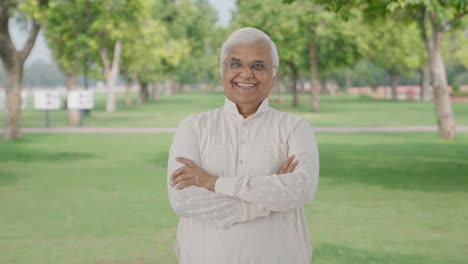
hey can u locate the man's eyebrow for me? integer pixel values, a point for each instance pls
(255, 61)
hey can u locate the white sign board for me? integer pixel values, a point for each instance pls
(46, 100)
(83, 99)
(24, 100)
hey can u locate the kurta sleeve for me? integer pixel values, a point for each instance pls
(284, 191)
(214, 208)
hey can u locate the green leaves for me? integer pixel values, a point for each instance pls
(396, 46)
(340, 43)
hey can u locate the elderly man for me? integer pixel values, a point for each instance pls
(240, 175)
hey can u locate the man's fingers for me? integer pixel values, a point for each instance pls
(292, 167)
(187, 162)
(180, 171)
(182, 177)
(177, 172)
(286, 164)
(185, 184)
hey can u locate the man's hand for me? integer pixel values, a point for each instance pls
(288, 166)
(191, 174)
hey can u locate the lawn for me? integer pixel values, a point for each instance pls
(383, 198)
(344, 110)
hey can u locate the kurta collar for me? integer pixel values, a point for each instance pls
(230, 106)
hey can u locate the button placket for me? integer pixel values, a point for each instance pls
(241, 162)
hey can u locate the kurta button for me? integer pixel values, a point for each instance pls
(242, 142)
(241, 162)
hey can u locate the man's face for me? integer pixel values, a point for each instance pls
(247, 74)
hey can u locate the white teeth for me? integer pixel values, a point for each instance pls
(246, 84)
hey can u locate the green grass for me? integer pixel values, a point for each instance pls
(342, 110)
(383, 198)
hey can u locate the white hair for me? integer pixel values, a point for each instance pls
(245, 36)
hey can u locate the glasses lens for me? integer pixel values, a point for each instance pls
(258, 66)
(238, 65)
(235, 65)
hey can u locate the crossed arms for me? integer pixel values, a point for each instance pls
(224, 201)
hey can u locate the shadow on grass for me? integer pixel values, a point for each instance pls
(429, 167)
(7, 177)
(159, 159)
(19, 151)
(328, 253)
(12, 152)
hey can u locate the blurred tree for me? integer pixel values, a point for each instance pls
(33, 13)
(110, 21)
(434, 17)
(365, 73)
(2, 75)
(42, 74)
(149, 48)
(455, 55)
(280, 22)
(66, 36)
(340, 43)
(461, 50)
(309, 38)
(195, 23)
(396, 48)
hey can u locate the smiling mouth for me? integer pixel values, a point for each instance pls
(245, 85)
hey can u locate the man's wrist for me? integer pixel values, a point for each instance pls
(211, 183)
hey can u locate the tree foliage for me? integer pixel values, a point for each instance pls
(195, 23)
(65, 33)
(13, 59)
(396, 47)
(149, 47)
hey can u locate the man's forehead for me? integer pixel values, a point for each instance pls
(256, 51)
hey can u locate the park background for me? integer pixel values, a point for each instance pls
(97, 193)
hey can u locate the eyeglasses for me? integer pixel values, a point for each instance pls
(238, 66)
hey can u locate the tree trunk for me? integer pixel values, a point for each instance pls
(280, 87)
(169, 86)
(432, 39)
(347, 79)
(394, 80)
(13, 61)
(323, 86)
(426, 71)
(293, 82)
(73, 114)
(111, 73)
(156, 92)
(128, 94)
(130, 81)
(144, 93)
(424, 82)
(177, 87)
(315, 86)
(12, 109)
(443, 105)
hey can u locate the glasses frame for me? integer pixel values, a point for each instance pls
(227, 66)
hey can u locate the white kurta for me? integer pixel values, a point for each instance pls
(254, 215)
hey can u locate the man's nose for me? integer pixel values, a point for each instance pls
(247, 71)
